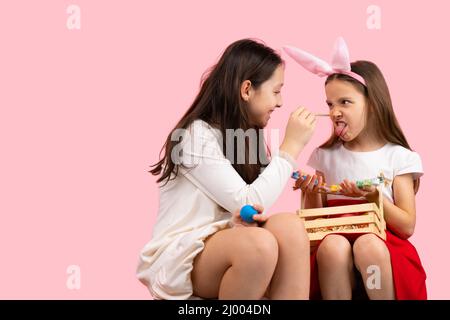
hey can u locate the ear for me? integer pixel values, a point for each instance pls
(341, 57)
(246, 87)
(309, 62)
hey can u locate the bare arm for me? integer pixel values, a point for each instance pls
(400, 216)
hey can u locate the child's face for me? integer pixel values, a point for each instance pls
(266, 98)
(348, 109)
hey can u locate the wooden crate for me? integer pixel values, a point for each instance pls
(367, 218)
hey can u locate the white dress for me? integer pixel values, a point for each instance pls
(198, 203)
(339, 163)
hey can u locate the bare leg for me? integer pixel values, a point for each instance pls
(335, 263)
(291, 277)
(372, 259)
(236, 263)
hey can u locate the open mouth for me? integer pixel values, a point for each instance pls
(341, 128)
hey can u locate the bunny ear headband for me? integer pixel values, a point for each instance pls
(340, 62)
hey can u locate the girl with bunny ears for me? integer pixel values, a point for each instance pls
(366, 140)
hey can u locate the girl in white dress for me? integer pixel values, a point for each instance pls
(200, 246)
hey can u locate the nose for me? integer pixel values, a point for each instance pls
(279, 102)
(335, 113)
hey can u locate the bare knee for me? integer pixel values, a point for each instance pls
(288, 227)
(257, 248)
(369, 248)
(334, 250)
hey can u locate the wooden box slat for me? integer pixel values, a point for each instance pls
(368, 218)
(318, 212)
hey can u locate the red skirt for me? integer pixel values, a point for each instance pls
(407, 271)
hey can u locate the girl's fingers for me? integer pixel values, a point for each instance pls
(350, 189)
(348, 185)
(344, 187)
(236, 220)
(260, 217)
(307, 115)
(370, 189)
(319, 183)
(355, 188)
(311, 184)
(258, 207)
(298, 111)
(246, 224)
(301, 182)
(306, 182)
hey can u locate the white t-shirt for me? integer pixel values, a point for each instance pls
(198, 203)
(339, 163)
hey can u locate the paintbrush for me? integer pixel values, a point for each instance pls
(322, 114)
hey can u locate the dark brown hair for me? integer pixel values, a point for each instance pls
(219, 102)
(380, 113)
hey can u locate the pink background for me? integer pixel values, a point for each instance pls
(84, 112)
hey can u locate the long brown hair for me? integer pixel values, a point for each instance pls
(380, 113)
(219, 102)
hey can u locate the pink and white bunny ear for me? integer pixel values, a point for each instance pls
(309, 62)
(340, 60)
